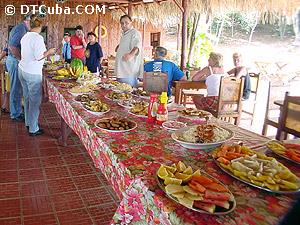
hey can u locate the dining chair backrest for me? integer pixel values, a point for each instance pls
(230, 97)
(289, 120)
(254, 81)
(155, 82)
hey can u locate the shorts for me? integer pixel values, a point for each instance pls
(209, 103)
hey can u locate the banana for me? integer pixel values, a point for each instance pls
(72, 72)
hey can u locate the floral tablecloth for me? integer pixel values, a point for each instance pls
(130, 160)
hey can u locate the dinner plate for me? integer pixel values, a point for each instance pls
(115, 131)
(173, 125)
(209, 115)
(201, 146)
(252, 184)
(219, 210)
(96, 113)
(106, 96)
(141, 116)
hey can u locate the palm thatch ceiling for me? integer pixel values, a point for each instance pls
(156, 11)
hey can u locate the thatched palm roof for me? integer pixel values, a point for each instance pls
(157, 13)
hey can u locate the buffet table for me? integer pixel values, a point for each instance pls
(130, 160)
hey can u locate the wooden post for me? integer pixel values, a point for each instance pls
(184, 34)
(130, 9)
(99, 29)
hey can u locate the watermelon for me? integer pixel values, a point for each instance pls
(205, 206)
(76, 67)
(217, 195)
(224, 204)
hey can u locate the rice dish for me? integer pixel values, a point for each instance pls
(205, 134)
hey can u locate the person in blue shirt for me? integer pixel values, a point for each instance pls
(66, 50)
(93, 54)
(12, 62)
(160, 64)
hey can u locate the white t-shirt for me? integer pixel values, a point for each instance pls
(133, 67)
(213, 83)
(32, 50)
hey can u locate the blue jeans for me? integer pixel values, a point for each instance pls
(15, 98)
(133, 81)
(32, 90)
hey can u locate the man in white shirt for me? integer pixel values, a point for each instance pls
(129, 58)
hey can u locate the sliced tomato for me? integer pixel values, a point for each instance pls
(215, 187)
(196, 186)
(202, 179)
(223, 204)
(205, 206)
(221, 196)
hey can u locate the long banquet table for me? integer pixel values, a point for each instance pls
(129, 162)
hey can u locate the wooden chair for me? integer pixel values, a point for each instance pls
(249, 105)
(230, 98)
(289, 121)
(186, 85)
(272, 110)
(188, 93)
(155, 82)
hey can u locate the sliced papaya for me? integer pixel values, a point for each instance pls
(215, 187)
(202, 179)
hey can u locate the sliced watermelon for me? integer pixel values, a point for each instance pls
(224, 204)
(215, 187)
(220, 196)
(202, 179)
(205, 206)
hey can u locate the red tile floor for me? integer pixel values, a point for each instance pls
(44, 183)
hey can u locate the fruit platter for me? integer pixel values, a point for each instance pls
(192, 113)
(139, 109)
(173, 125)
(115, 124)
(96, 107)
(116, 96)
(195, 190)
(85, 98)
(288, 151)
(204, 137)
(256, 169)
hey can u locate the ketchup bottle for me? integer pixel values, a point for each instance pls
(162, 111)
(152, 108)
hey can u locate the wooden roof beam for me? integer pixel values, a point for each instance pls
(179, 5)
(122, 8)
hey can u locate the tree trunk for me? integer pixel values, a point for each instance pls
(220, 30)
(196, 19)
(296, 25)
(253, 27)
